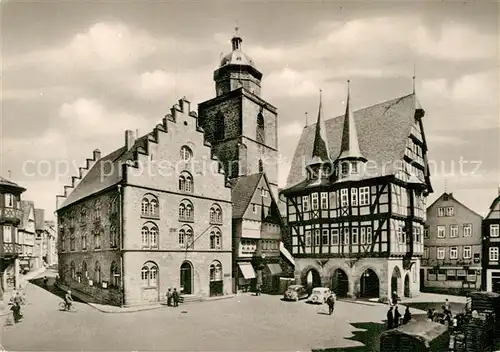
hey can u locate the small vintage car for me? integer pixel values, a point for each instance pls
(295, 292)
(319, 295)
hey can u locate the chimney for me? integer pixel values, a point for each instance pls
(129, 139)
(97, 154)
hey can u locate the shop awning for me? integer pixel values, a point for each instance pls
(275, 269)
(247, 270)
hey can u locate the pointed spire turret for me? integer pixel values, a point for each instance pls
(349, 148)
(320, 164)
(350, 154)
(419, 111)
(320, 152)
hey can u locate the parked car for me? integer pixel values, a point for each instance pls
(295, 292)
(319, 295)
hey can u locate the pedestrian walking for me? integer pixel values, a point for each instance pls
(397, 317)
(258, 290)
(175, 297)
(394, 298)
(390, 318)
(407, 316)
(45, 281)
(169, 297)
(447, 305)
(331, 303)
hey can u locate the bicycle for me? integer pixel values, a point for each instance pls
(64, 308)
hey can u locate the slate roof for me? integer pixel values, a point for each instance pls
(26, 206)
(320, 144)
(5, 182)
(105, 173)
(242, 191)
(383, 130)
(494, 213)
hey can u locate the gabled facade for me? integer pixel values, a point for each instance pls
(27, 232)
(154, 214)
(257, 235)
(11, 215)
(356, 198)
(452, 247)
(491, 247)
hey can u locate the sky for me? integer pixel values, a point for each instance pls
(76, 75)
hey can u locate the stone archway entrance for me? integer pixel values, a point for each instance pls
(311, 279)
(395, 280)
(186, 278)
(340, 283)
(407, 286)
(370, 285)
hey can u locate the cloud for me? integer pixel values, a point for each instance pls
(449, 44)
(87, 117)
(291, 130)
(105, 45)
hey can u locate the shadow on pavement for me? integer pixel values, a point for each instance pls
(52, 288)
(369, 338)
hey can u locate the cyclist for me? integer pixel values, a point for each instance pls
(68, 300)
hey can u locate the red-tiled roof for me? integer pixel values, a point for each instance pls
(242, 191)
(105, 173)
(383, 130)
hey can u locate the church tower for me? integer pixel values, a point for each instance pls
(240, 125)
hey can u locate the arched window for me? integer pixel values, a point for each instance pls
(215, 214)
(153, 207)
(113, 236)
(216, 271)
(145, 236)
(73, 270)
(85, 271)
(83, 216)
(145, 206)
(97, 239)
(153, 237)
(215, 239)
(97, 210)
(186, 211)
(149, 235)
(186, 182)
(150, 206)
(97, 273)
(219, 126)
(186, 237)
(149, 275)
(114, 275)
(261, 137)
(186, 153)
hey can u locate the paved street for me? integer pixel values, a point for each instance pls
(243, 323)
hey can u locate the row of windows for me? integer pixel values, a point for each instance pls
(92, 213)
(446, 211)
(97, 237)
(149, 208)
(81, 274)
(403, 237)
(150, 273)
(346, 236)
(452, 275)
(466, 231)
(150, 233)
(453, 252)
(321, 200)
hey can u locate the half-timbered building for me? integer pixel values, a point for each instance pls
(356, 198)
(491, 247)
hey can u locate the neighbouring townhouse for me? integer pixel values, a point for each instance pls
(452, 247)
(491, 247)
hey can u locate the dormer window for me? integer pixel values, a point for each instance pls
(354, 167)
